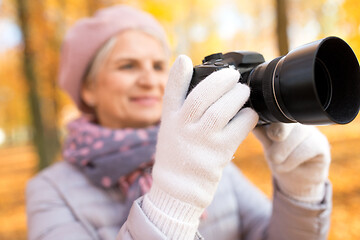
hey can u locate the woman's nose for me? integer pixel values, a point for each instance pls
(148, 77)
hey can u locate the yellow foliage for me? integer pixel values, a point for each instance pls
(350, 22)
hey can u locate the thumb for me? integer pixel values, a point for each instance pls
(178, 83)
(278, 132)
(261, 135)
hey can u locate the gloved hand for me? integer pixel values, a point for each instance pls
(299, 158)
(196, 140)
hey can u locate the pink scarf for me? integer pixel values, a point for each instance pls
(112, 158)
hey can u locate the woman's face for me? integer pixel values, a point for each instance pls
(129, 86)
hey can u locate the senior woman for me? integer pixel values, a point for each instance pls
(114, 182)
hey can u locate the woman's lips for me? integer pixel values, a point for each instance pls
(145, 101)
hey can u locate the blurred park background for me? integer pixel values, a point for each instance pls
(34, 111)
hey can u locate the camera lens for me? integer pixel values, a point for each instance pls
(323, 83)
(318, 83)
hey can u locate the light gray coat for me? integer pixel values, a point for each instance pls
(63, 204)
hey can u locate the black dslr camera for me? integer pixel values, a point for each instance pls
(318, 83)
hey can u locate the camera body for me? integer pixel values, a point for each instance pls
(317, 83)
(242, 61)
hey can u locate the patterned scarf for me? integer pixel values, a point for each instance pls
(112, 158)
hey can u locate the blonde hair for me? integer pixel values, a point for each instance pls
(99, 59)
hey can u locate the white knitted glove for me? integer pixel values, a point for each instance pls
(299, 158)
(195, 142)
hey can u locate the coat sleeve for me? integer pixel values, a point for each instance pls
(283, 218)
(48, 215)
(139, 227)
(296, 220)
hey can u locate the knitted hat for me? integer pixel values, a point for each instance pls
(87, 36)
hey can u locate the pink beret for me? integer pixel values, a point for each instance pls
(86, 37)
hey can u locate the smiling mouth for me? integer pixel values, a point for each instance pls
(145, 101)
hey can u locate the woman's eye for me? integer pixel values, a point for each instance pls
(159, 66)
(126, 66)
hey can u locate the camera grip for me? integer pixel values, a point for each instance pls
(200, 72)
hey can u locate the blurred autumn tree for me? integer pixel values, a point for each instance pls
(350, 23)
(42, 96)
(196, 28)
(281, 26)
(41, 24)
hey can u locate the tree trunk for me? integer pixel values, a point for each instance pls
(281, 27)
(38, 130)
(49, 103)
